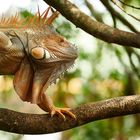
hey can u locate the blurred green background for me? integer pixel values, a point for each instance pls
(101, 71)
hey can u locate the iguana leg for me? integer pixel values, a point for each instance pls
(47, 105)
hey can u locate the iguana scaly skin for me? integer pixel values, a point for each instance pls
(36, 55)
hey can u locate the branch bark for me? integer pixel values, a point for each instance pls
(95, 28)
(23, 123)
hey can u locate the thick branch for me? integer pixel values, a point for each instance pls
(23, 123)
(97, 29)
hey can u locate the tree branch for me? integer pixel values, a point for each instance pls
(118, 15)
(95, 28)
(23, 123)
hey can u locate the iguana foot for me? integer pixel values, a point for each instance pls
(47, 105)
(61, 112)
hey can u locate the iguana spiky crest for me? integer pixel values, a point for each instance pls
(36, 20)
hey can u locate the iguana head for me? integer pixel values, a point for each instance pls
(47, 56)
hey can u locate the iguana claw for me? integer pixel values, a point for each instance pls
(61, 112)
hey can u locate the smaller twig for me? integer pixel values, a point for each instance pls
(134, 7)
(137, 54)
(114, 1)
(116, 14)
(94, 13)
(129, 53)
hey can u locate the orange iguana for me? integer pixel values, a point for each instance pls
(36, 55)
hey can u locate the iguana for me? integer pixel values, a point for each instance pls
(32, 51)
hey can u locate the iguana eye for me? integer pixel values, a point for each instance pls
(40, 53)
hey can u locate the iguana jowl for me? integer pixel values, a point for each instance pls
(36, 55)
